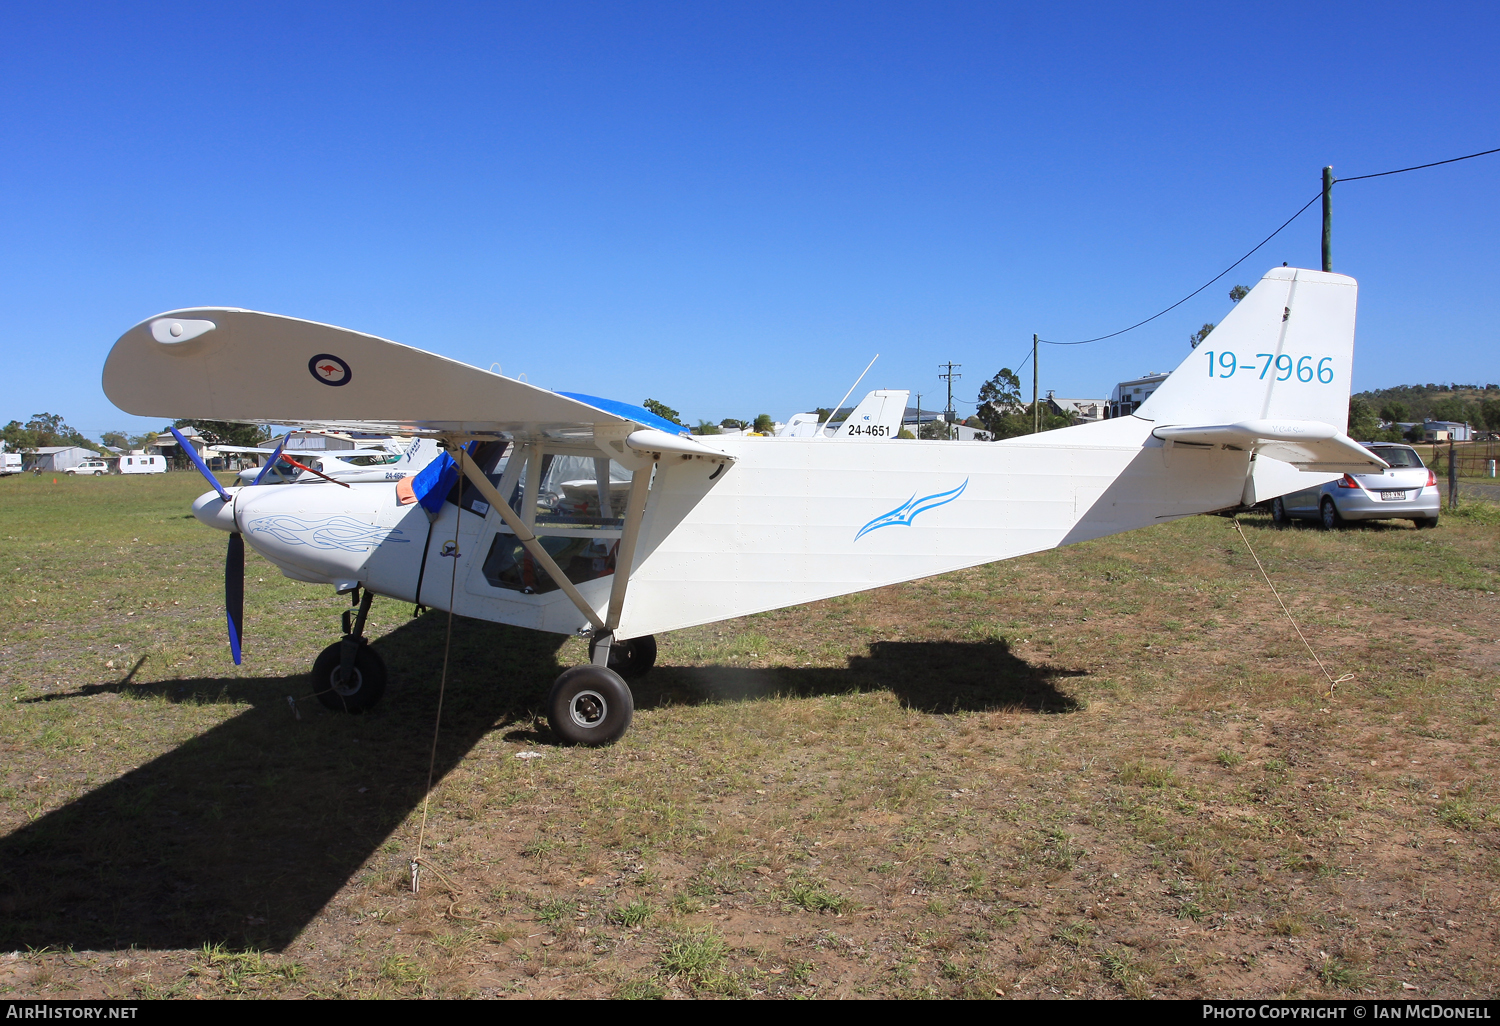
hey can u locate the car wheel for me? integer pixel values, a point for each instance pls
(1278, 513)
(1328, 513)
(1422, 522)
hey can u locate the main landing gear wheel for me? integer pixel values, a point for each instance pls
(1328, 513)
(633, 658)
(590, 705)
(354, 691)
(1278, 512)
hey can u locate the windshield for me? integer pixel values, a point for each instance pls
(1397, 455)
(370, 459)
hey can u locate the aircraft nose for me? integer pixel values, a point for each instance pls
(211, 508)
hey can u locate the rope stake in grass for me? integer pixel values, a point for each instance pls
(1332, 683)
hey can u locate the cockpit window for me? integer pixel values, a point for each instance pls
(370, 459)
(581, 491)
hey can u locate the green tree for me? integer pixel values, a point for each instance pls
(1000, 404)
(706, 427)
(732, 424)
(1452, 408)
(824, 413)
(1363, 424)
(115, 439)
(1393, 412)
(904, 433)
(50, 429)
(934, 430)
(764, 424)
(1197, 337)
(1489, 411)
(1239, 292)
(665, 411)
(17, 437)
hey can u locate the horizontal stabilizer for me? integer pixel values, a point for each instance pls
(1306, 444)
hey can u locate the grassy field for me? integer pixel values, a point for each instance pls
(1109, 770)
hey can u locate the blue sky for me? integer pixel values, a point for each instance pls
(733, 207)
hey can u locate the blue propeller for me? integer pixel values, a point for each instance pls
(234, 559)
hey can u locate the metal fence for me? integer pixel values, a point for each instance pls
(1470, 459)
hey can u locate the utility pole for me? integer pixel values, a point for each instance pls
(919, 414)
(1036, 413)
(949, 414)
(1328, 218)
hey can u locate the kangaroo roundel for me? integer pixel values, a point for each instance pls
(329, 369)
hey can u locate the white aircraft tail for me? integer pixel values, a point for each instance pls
(1285, 351)
(1274, 377)
(878, 415)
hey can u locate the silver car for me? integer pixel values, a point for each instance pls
(1405, 491)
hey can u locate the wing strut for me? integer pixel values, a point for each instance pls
(526, 537)
(635, 511)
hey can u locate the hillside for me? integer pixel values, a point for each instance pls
(1479, 405)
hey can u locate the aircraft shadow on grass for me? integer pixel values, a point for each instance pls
(243, 834)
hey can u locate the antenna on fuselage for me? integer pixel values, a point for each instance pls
(823, 431)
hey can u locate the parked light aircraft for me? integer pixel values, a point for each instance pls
(574, 514)
(391, 461)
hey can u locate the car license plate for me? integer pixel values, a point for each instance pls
(1392, 496)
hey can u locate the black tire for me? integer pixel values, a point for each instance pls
(631, 658)
(1422, 522)
(590, 705)
(1278, 513)
(1328, 513)
(355, 695)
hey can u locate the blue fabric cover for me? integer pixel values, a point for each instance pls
(433, 482)
(639, 414)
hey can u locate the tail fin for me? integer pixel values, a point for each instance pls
(878, 415)
(1273, 378)
(1284, 353)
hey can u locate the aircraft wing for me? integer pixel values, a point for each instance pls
(1306, 444)
(219, 363)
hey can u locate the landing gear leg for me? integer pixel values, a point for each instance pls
(348, 676)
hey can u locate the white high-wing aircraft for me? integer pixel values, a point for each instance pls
(575, 514)
(391, 461)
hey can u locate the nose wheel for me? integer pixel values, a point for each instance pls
(348, 676)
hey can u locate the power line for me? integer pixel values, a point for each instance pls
(1418, 167)
(1268, 238)
(1200, 288)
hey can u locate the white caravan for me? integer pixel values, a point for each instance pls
(709, 527)
(143, 464)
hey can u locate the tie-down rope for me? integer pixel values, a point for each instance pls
(1332, 683)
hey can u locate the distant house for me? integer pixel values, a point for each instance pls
(1445, 431)
(1128, 395)
(323, 441)
(56, 458)
(1080, 411)
(166, 444)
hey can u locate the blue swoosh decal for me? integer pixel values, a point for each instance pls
(905, 513)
